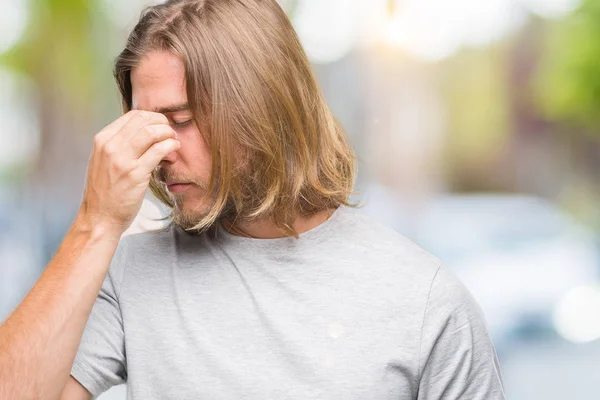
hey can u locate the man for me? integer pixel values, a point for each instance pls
(266, 285)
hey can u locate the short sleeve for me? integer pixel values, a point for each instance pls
(100, 361)
(457, 357)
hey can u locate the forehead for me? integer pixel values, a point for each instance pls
(158, 81)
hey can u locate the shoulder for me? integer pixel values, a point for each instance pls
(141, 250)
(457, 355)
(450, 303)
(148, 240)
(444, 289)
(395, 270)
(386, 246)
(141, 245)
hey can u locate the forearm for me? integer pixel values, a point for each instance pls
(39, 340)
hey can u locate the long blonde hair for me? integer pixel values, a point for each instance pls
(277, 151)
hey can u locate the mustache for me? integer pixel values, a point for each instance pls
(164, 175)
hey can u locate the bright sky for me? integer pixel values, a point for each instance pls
(427, 29)
(13, 20)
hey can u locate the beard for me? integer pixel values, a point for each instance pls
(188, 217)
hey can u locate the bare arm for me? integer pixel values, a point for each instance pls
(74, 391)
(38, 342)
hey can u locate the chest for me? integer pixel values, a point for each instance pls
(231, 336)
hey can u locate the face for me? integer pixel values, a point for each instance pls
(158, 84)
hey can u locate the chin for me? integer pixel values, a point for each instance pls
(187, 213)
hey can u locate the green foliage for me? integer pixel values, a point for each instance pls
(66, 51)
(568, 80)
(58, 50)
(475, 87)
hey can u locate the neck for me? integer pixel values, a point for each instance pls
(266, 228)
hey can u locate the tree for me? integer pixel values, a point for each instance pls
(568, 81)
(66, 52)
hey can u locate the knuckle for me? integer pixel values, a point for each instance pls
(121, 167)
(98, 141)
(117, 166)
(133, 114)
(144, 115)
(151, 130)
(109, 149)
(135, 173)
(130, 172)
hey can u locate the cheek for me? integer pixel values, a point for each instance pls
(195, 153)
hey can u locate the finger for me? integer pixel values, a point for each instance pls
(109, 130)
(149, 135)
(154, 155)
(138, 120)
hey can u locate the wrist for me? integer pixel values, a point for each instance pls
(96, 227)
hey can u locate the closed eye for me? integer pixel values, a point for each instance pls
(182, 124)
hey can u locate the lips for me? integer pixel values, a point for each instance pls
(176, 187)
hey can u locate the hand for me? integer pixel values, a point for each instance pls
(124, 156)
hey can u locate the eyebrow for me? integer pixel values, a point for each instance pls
(172, 109)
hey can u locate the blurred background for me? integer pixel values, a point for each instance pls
(476, 124)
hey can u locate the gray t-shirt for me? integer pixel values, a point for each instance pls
(351, 310)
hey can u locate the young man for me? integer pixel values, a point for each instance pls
(267, 285)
